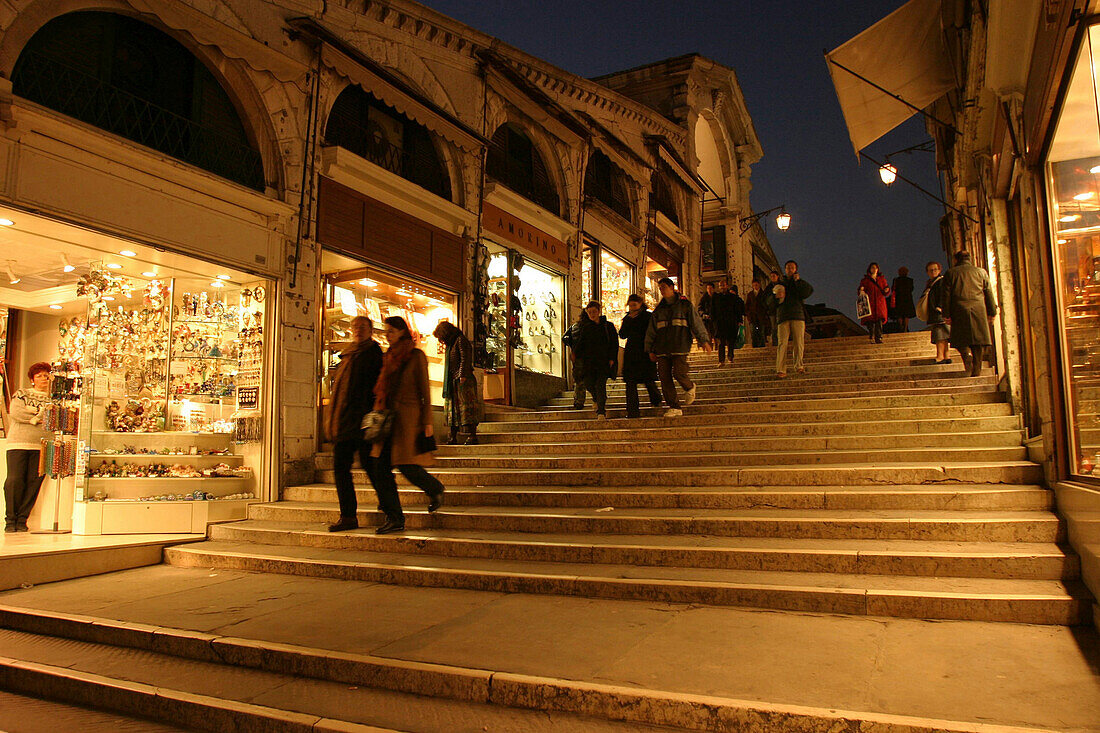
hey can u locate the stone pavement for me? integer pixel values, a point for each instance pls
(879, 669)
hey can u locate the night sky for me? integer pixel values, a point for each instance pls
(842, 215)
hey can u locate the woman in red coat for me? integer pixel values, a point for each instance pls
(874, 284)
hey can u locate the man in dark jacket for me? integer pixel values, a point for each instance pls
(352, 397)
(597, 350)
(706, 308)
(727, 314)
(668, 342)
(567, 340)
(788, 298)
(757, 314)
(637, 366)
(971, 307)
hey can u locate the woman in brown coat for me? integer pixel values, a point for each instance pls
(403, 388)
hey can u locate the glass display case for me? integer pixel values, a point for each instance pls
(616, 285)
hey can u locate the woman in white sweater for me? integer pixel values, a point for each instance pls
(24, 448)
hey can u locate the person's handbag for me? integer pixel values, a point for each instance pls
(740, 340)
(377, 425)
(922, 307)
(863, 305)
(425, 443)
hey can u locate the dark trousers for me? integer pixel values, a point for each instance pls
(632, 406)
(774, 323)
(385, 485)
(596, 384)
(759, 338)
(673, 369)
(973, 357)
(343, 456)
(722, 345)
(21, 486)
(875, 327)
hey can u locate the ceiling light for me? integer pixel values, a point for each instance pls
(217, 284)
(1095, 169)
(55, 307)
(113, 266)
(68, 266)
(11, 277)
(367, 282)
(1084, 196)
(149, 274)
(1062, 241)
(6, 223)
(1070, 217)
(223, 277)
(127, 253)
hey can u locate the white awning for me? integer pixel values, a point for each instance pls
(902, 53)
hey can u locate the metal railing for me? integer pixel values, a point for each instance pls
(77, 94)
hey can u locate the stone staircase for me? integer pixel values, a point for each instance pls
(878, 483)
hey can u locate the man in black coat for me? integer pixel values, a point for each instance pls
(727, 313)
(352, 397)
(706, 308)
(596, 346)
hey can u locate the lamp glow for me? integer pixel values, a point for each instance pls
(128, 253)
(69, 266)
(1069, 217)
(12, 278)
(888, 173)
(113, 266)
(1094, 170)
(1084, 196)
(149, 273)
(55, 307)
(783, 220)
(6, 223)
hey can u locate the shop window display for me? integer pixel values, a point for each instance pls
(1073, 180)
(587, 273)
(654, 271)
(616, 284)
(352, 290)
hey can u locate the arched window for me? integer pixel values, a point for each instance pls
(364, 125)
(137, 82)
(661, 198)
(604, 182)
(514, 161)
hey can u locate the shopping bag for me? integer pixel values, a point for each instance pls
(863, 305)
(922, 307)
(377, 425)
(740, 340)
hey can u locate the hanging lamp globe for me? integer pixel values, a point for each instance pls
(888, 173)
(783, 220)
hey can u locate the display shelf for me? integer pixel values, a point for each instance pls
(211, 484)
(200, 461)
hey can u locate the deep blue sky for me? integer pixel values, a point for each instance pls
(842, 215)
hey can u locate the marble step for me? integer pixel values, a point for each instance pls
(731, 416)
(876, 474)
(952, 497)
(954, 526)
(201, 692)
(850, 373)
(1021, 560)
(716, 409)
(985, 599)
(906, 352)
(680, 432)
(778, 456)
(747, 444)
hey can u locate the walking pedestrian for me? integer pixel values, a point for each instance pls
(24, 448)
(352, 398)
(596, 346)
(567, 340)
(971, 308)
(770, 304)
(462, 405)
(668, 342)
(706, 308)
(637, 366)
(902, 290)
(933, 308)
(403, 388)
(727, 313)
(788, 300)
(757, 313)
(874, 286)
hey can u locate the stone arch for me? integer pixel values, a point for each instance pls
(712, 151)
(551, 153)
(232, 75)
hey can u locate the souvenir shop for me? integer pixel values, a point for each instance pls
(520, 285)
(157, 407)
(606, 277)
(663, 258)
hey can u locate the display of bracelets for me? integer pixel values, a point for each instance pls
(129, 450)
(193, 496)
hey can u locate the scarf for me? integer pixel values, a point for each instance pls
(397, 356)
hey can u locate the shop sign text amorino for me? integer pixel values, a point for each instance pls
(499, 222)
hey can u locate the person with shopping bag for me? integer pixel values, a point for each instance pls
(871, 302)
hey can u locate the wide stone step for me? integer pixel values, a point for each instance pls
(951, 497)
(846, 374)
(1021, 560)
(679, 432)
(718, 408)
(755, 443)
(750, 416)
(778, 456)
(955, 526)
(875, 474)
(1027, 601)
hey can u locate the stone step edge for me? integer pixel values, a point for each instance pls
(820, 599)
(507, 689)
(186, 709)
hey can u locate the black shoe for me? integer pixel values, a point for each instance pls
(434, 502)
(343, 524)
(10, 528)
(22, 527)
(390, 526)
